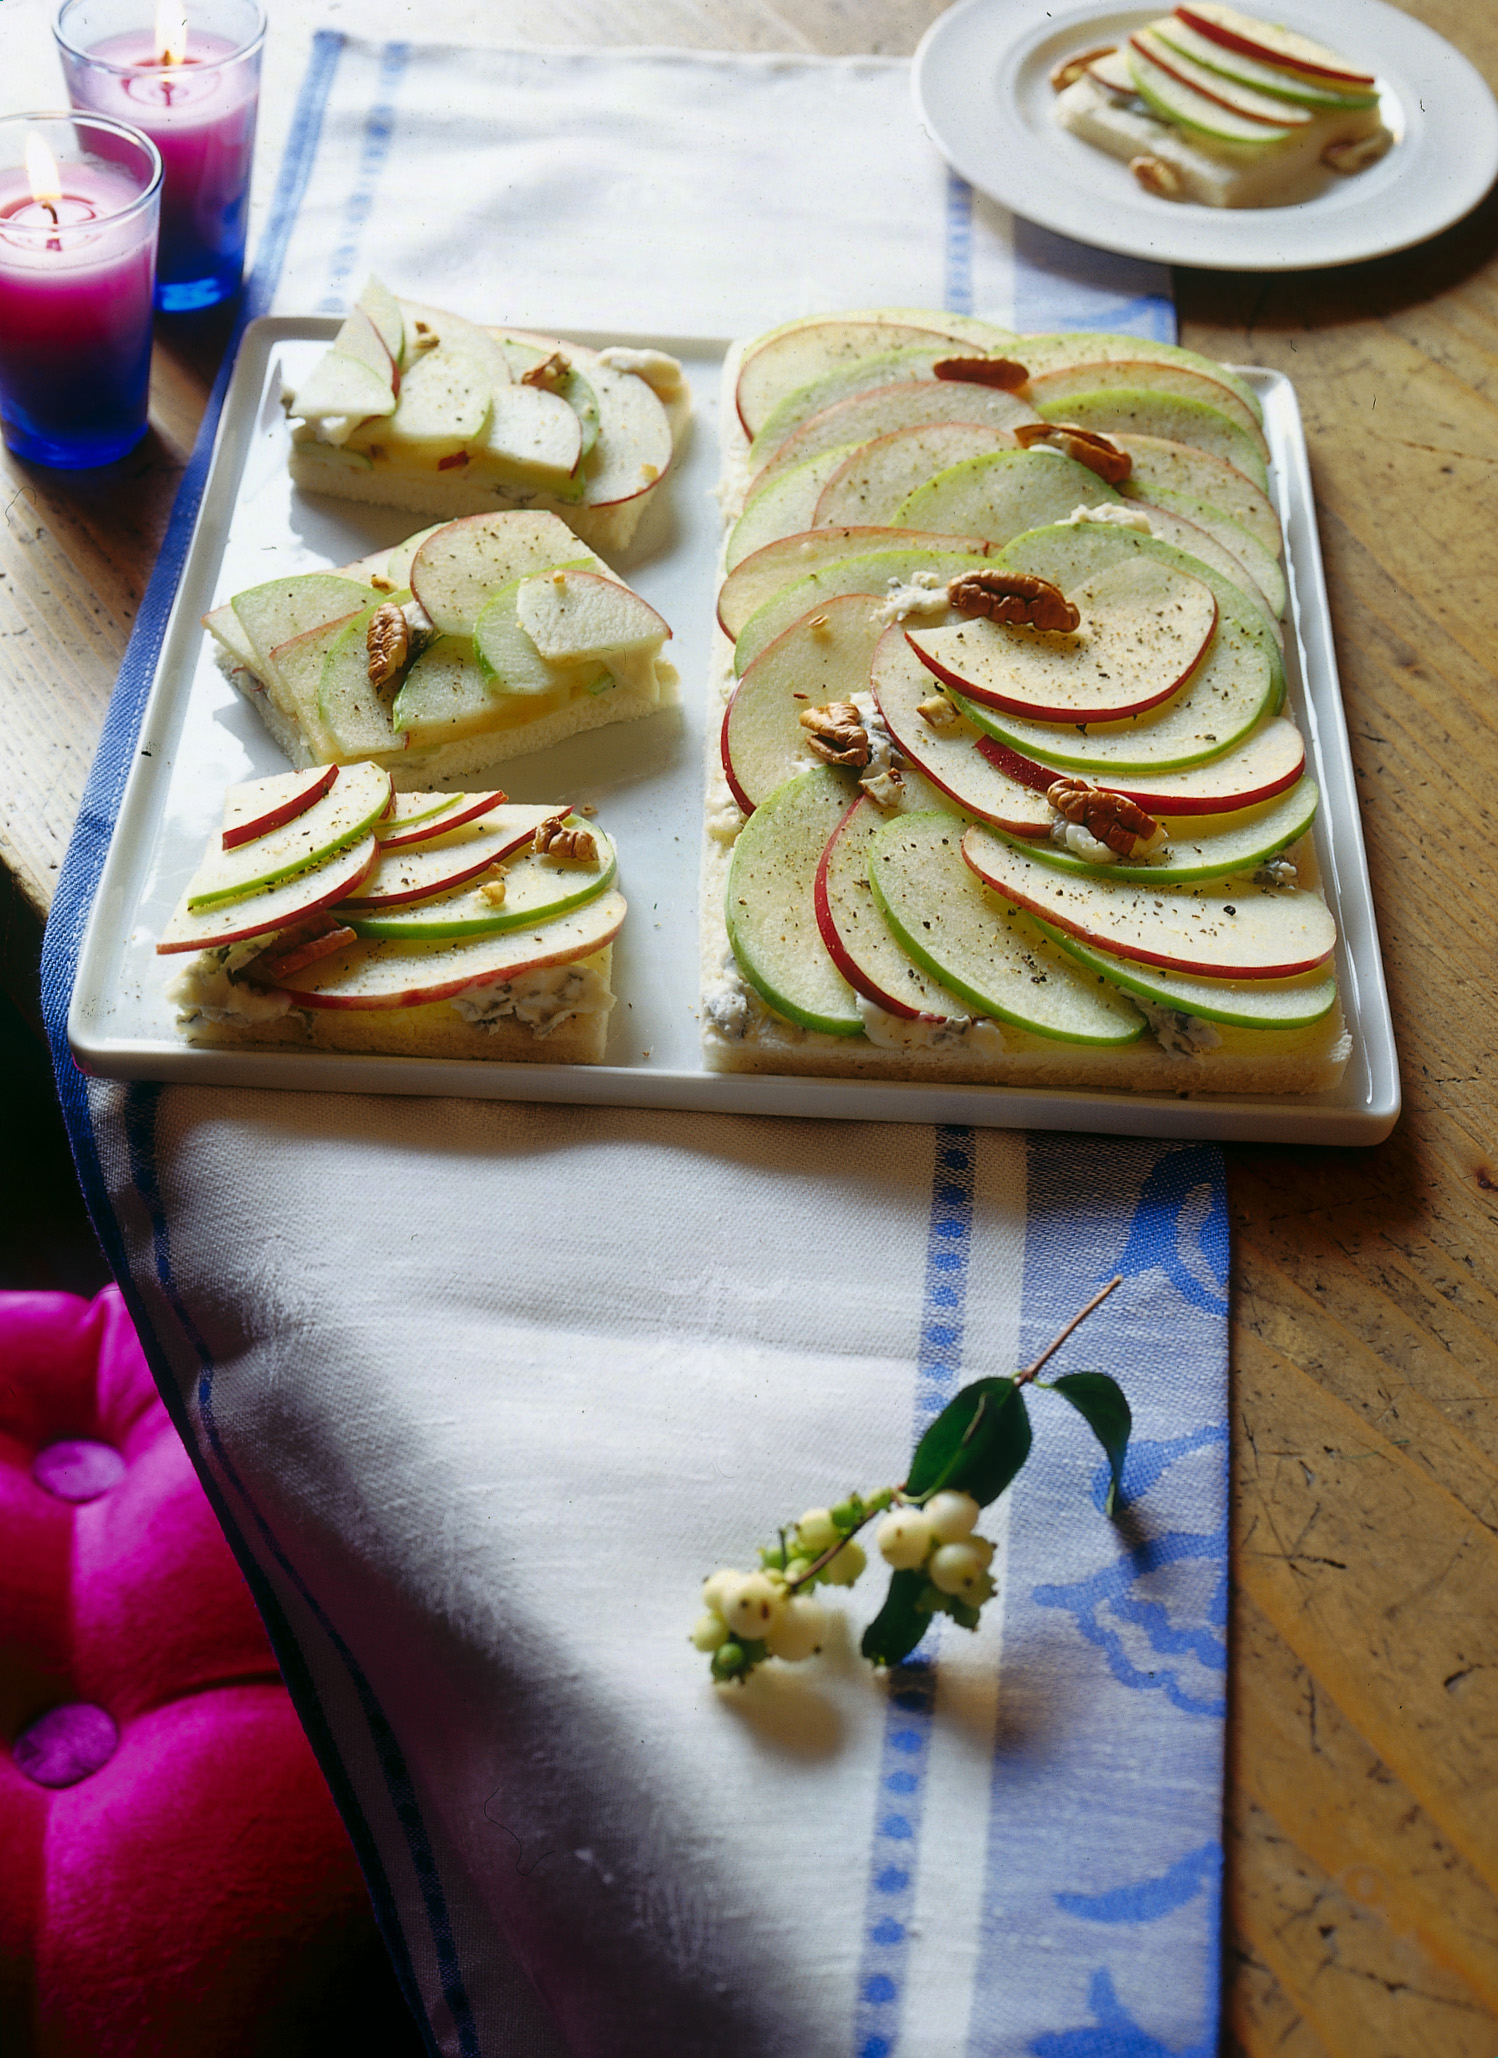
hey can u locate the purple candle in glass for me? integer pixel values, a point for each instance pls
(78, 207)
(189, 76)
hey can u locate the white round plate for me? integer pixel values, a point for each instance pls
(983, 93)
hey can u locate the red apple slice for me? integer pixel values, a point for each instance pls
(418, 817)
(793, 356)
(870, 485)
(260, 805)
(413, 874)
(1261, 107)
(1269, 760)
(886, 408)
(273, 909)
(859, 940)
(461, 564)
(1051, 390)
(766, 572)
(1145, 628)
(1270, 44)
(409, 975)
(825, 656)
(950, 752)
(344, 815)
(1229, 929)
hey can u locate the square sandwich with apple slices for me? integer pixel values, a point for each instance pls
(473, 641)
(419, 408)
(331, 913)
(1001, 785)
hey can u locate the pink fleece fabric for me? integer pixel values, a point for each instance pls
(174, 1878)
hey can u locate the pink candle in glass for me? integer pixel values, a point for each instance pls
(194, 89)
(78, 204)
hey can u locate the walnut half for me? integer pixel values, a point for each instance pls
(1002, 372)
(555, 838)
(388, 642)
(1112, 818)
(1083, 446)
(1157, 177)
(835, 733)
(1357, 152)
(1070, 69)
(551, 374)
(1012, 597)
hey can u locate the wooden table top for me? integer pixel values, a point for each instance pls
(1363, 1809)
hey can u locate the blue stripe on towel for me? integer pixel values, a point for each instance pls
(379, 133)
(957, 292)
(895, 1853)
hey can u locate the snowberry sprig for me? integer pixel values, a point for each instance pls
(939, 1564)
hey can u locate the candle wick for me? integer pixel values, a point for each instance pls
(50, 209)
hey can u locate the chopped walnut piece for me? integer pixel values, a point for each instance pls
(1070, 69)
(938, 711)
(315, 936)
(1357, 153)
(388, 642)
(1002, 372)
(550, 374)
(493, 890)
(1112, 818)
(835, 733)
(885, 789)
(1012, 597)
(1158, 177)
(1083, 446)
(380, 583)
(554, 838)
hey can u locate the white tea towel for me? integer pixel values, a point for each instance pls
(482, 1391)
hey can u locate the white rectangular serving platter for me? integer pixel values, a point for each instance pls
(646, 779)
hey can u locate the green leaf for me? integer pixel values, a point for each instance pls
(901, 1622)
(976, 1444)
(1100, 1402)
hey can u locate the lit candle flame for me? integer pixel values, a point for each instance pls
(171, 31)
(41, 170)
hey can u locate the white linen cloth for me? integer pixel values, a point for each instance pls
(483, 1391)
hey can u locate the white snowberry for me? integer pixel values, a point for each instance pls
(959, 1568)
(846, 1566)
(798, 1630)
(904, 1539)
(710, 1631)
(752, 1606)
(951, 1516)
(716, 1589)
(816, 1531)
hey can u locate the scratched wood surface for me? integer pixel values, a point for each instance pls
(1363, 1789)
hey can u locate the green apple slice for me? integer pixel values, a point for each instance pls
(887, 408)
(276, 907)
(344, 815)
(299, 666)
(1161, 466)
(272, 614)
(533, 437)
(790, 359)
(570, 615)
(359, 338)
(1185, 108)
(1229, 93)
(845, 382)
(859, 940)
(1297, 1003)
(1140, 411)
(872, 484)
(444, 696)
(1258, 565)
(407, 975)
(871, 572)
(1271, 44)
(443, 406)
(947, 752)
(351, 708)
(537, 890)
(763, 743)
(513, 667)
(787, 506)
(999, 496)
(1095, 346)
(1144, 629)
(384, 310)
(790, 558)
(1205, 846)
(770, 906)
(1225, 929)
(340, 387)
(983, 950)
(223, 625)
(418, 817)
(461, 563)
(257, 806)
(1051, 390)
(1267, 761)
(1196, 542)
(1279, 83)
